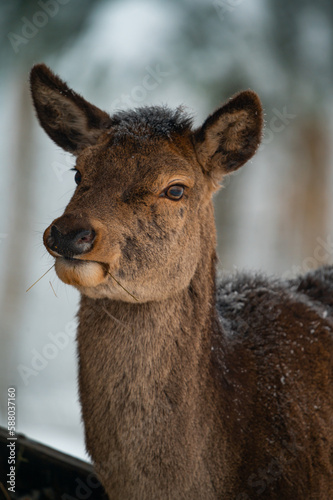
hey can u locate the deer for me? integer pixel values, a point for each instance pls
(191, 386)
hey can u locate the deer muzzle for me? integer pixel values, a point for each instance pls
(73, 241)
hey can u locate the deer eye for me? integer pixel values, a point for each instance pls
(175, 192)
(77, 177)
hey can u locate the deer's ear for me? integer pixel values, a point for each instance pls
(230, 136)
(71, 121)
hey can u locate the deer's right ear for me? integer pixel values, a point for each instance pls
(70, 121)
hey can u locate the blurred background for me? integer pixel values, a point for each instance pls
(275, 214)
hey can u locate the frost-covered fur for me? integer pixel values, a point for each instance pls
(278, 371)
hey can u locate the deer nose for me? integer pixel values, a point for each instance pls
(72, 243)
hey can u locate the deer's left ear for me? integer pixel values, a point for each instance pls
(230, 136)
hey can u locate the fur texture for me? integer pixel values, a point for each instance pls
(188, 390)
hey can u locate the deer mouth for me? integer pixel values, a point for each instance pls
(82, 261)
(77, 261)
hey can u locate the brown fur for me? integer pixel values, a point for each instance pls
(186, 392)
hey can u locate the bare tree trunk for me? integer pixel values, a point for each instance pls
(305, 204)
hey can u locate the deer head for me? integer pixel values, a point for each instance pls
(142, 208)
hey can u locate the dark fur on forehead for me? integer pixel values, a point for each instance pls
(152, 122)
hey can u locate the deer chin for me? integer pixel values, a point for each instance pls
(80, 273)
